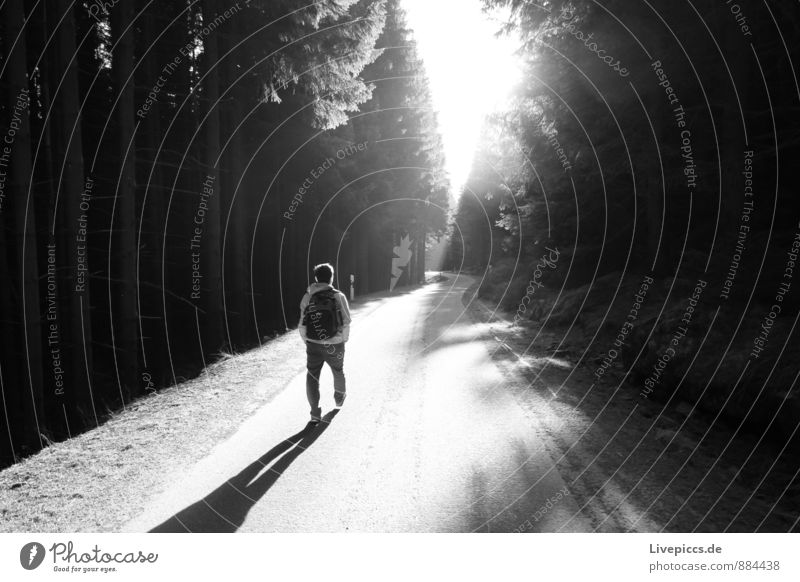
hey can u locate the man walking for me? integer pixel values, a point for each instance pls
(324, 327)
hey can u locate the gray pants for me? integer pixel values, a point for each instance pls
(319, 354)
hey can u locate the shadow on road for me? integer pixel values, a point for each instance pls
(225, 509)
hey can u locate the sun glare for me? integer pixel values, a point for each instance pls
(471, 71)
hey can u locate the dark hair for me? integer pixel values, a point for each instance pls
(324, 273)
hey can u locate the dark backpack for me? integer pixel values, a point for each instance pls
(322, 317)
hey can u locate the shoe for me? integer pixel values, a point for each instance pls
(338, 398)
(314, 421)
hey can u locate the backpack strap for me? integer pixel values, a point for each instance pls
(334, 293)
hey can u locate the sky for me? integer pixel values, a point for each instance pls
(470, 71)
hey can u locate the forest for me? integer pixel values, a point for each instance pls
(171, 171)
(638, 198)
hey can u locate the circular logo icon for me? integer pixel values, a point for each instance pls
(31, 555)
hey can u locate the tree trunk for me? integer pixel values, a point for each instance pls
(421, 254)
(364, 284)
(237, 308)
(67, 125)
(25, 230)
(123, 230)
(149, 281)
(211, 243)
(9, 369)
(728, 118)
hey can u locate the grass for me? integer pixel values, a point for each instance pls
(99, 480)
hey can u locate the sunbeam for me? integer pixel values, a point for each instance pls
(471, 71)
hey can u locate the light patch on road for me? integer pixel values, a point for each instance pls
(465, 332)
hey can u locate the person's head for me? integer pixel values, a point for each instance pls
(323, 273)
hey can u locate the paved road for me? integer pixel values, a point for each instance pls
(429, 440)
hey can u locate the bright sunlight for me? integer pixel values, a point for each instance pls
(471, 71)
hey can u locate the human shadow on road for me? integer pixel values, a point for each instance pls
(225, 509)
